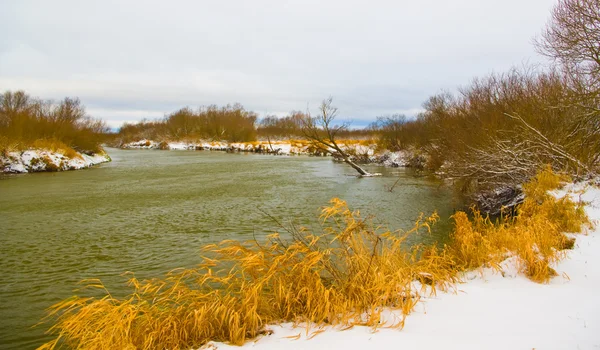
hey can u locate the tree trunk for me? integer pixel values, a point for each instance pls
(356, 167)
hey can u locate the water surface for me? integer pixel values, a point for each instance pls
(149, 211)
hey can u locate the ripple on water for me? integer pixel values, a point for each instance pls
(150, 211)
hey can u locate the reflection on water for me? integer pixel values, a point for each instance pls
(150, 211)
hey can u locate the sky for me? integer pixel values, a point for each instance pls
(128, 60)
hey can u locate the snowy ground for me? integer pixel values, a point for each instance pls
(488, 311)
(275, 147)
(43, 160)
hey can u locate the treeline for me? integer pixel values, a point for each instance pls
(31, 122)
(289, 126)
(230, 123)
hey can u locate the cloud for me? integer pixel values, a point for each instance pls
(146, 58)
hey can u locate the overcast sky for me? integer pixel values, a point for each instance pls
(127, 60)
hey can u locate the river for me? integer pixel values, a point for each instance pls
(150, 211)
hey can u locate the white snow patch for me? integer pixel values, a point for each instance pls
(489, 311)
(141, 144)
(41, 160)
(181, 146)
(395, 159)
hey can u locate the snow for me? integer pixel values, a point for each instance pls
(395, 159)
(274, 147)
(38, 160)
(179, 146)
(488, 311)
(142, 144)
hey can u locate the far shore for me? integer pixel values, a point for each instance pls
(361, 151)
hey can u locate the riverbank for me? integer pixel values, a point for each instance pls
(489, 310)
(360, 151)
(40, 160)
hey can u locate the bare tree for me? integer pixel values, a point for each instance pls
(69, 111)
(572, 39)
(322, 134)
(11, 104)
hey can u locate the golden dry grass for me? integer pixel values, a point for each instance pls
(9, 145)
(55, 146)
(344, 276)
(535, 235)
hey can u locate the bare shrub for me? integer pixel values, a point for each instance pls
(25, 121)
(572, 39)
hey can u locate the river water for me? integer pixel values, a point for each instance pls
(150, 211)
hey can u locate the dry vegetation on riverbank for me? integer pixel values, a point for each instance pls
(346, 275)
(500, 129)
(227, 124)
(38, 135)
(31, 123)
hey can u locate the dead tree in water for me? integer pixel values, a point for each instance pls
(321, 133)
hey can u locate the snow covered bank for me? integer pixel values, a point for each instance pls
(362, 153)
(273, 147)
(44, 160)
(489, 311)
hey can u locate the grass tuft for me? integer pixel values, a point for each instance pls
(535, 234)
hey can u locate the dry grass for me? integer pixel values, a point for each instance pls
(55, 146)
(346, 275)
(535, 235)
(9, 145)
(362, 142)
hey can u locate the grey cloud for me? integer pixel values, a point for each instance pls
(374, 57)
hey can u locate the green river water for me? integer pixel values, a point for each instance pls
(150, 211)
